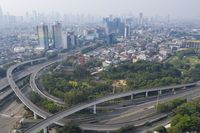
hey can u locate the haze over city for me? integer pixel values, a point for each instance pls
(99, 66)
(174, 8)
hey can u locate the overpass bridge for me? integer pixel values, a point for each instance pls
(37, 111)
(37, 90)
(49, 119)
(45, 123)
(5, 89)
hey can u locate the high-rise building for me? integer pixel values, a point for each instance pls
(57, 36)
(141, 19)
(111, 39)
(168, 19)
(127, 31)
(43, 36)
(114, 26)
(72, 40)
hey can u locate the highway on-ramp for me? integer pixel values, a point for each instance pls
(4, 85)
(35, 87)
(20, 95)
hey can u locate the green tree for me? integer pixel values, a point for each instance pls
(161, 129)
(81, 71)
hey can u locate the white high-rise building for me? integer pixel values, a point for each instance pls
(141, 19)
(127, 31)
(43, 37)
(65, 41)
(57, 36)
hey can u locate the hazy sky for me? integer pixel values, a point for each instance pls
(177, 8)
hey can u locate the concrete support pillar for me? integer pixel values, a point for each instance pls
(173, 90)
(160, 92)
(108, 131)
(132, 96)
(45, 130)
(95, 109)
(35, 115)
(147, 94)
(113, 90)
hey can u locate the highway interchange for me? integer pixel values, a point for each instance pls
(49, 118)
(4, 85)
(56, 117)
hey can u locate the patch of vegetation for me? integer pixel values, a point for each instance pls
(161, 129)
(185, 60)
(186, 118)
(169, 106)
(144, 74)
(76, 86)
(48, 105)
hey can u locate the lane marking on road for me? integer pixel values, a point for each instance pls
(131, 113)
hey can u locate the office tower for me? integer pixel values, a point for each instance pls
(127, 32)
(64, 40)
(141, 19)
(57, 36)
(100, 31)
(111, 39)
(72, 40)
(114, 26)
(168, 19)
(42, 31)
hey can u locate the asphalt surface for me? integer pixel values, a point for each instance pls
(79, 107)
(17, 76)
(136, 114)
(20, 95)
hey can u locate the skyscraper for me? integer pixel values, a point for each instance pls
(57, 36)
(72, 41)
(127, 31)
(114, 26)
(43, 37)
(141, 19)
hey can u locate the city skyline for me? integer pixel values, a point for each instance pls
(174, 8)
